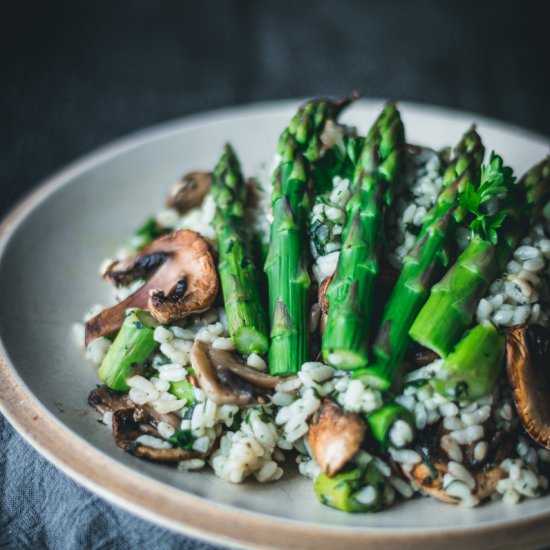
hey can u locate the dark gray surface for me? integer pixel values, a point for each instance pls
(76, 74)
(41, 508)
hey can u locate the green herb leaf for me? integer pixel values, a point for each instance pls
(496, 180)
(183, 439)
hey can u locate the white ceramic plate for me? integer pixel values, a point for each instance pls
(50, 249)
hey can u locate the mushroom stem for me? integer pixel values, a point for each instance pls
(225, 380)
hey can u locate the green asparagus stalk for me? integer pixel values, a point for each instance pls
(426, 262)
(356, 489)
(286, 269)
(131, 347)
(328, 146)
(238, 275)
(472, 369)
(496, 230)
(381, 422)
(351, 292)
(302, 150)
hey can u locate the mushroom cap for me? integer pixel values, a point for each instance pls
(224, 378)
(190, 191)
(528, 367)
(184, 282)
(335, 437)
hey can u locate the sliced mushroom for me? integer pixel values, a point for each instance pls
(129, 424)
(184, 282)
(428, 474)
(225, 379)
(528, 366)
(190, 191)
(335, 437)
(430, 480)
(105, 400)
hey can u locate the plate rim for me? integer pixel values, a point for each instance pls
(37, 425)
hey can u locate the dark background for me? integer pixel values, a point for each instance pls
(76, 74)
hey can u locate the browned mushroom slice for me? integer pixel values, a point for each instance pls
(225, 379)
(184, 282)
(190, 191)
(428, 475)
(230, 361)
(528, 366)
(128, 426)
(430, 480)
(486, 482)
(105, 400)
(335, 437)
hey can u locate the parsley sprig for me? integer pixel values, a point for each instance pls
(496, 180)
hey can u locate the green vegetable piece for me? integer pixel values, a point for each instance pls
(496, 231)
(238, 274)
(341, 490)
(183, 389)
(131, 347)
(302, 150)
(472, 369)
(426, 262)
(381, 421)
(351, 292)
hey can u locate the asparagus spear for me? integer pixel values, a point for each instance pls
(302, 150)
(328, 146)
(496, 231)
(472, 369)
(382, 421)
(132, 345)
(238, 274)
(286, 269)
(356, 489)
(351, 292)
(426, 262)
